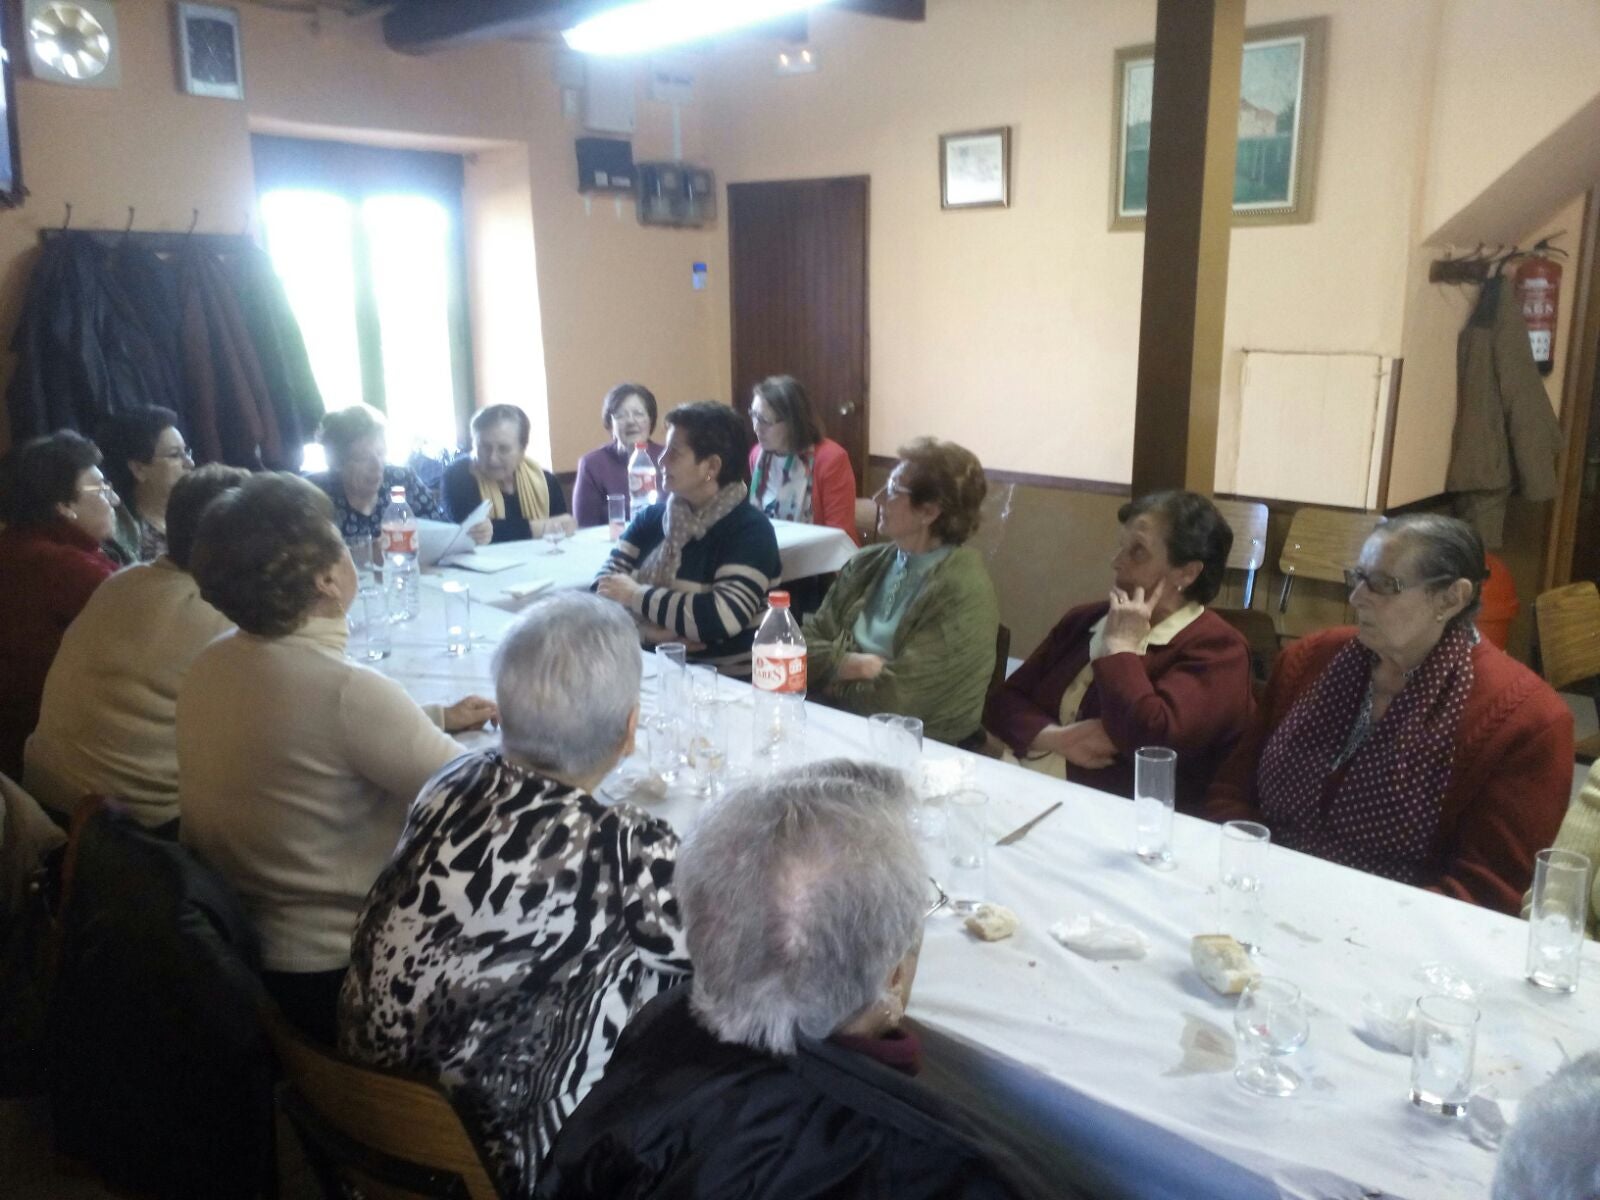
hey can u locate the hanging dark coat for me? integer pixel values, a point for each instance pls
(280, 348)
(231, 415)
(1507, 438)
(82, 350)
(151, 284)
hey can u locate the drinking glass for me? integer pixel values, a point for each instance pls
(896, 741)
(664, 735)
(1155, 777)
(1243, 861)
(368, 622)
(457, 618)
(616, 515)
(553, 533)
(966, 841)
(702, 683)
(708, 748)
(1271, 1021)
(1557, 919)
(1445, 1040)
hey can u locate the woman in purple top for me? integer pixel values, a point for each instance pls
(629, 414)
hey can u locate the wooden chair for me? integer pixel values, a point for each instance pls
(1321, 543)
(1568, 620)
(983, 742)
(1248, 520)
(385, 1134)
(1261, 634)
(866, 518)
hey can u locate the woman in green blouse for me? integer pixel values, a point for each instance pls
(909, 626)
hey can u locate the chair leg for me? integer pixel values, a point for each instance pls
(1283, 597)
(1249, 588)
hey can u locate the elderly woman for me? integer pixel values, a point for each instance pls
(782, 1070)
(1151, 667)
(145, 455)
(58, 510)
(1408, 746)
(696, 566)
(507, 973)
(107, 726)
(296, 768)
(359, 476)
(629, 415)
(797, 473)
(1552, 1152)
(909, 626)
(523, 497)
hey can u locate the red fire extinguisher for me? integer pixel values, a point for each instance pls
(1538, 283)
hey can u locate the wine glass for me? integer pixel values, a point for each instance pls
(553, 533)
(1271, 1021)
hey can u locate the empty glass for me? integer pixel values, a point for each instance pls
(616, 515)
(1155, 779)
(1270, 1021)
(368, 622)
(966, 841)
(1557, 918)
(457, 618)
(1242, 865)
(708, 748)
(896, 741)
(1444, 1044)
(553, 533)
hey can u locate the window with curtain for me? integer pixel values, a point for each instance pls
(368, 243)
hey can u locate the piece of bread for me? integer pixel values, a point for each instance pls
(991, 922)
(1222, 962)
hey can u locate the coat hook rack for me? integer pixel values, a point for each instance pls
(127, 229)
(194, 220)
(66, 221)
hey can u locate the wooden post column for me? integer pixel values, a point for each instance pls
(1194, 126)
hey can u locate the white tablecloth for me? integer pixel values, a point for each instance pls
(1091, 1053)
(803, 549)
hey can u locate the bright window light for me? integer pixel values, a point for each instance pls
(650, 24)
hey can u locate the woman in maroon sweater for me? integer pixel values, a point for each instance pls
(1409, 746)
(58, 510)
(1154, 667)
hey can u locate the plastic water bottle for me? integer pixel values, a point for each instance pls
(778, 671)
(644, 489)
(400, 552)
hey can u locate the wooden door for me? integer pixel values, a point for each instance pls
(797, 266)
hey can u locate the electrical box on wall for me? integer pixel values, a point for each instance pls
(605, 165)
(675, 193)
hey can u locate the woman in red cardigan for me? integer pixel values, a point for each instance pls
(1409, 746)
(58, 510)
(796, 473)
(1154, 667)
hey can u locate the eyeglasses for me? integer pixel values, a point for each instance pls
(185, 454)
(763, 422)
(1379, 583)
(893, 491)
(99, 489)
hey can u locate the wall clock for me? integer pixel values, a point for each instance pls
(209, 61)
(72, 41)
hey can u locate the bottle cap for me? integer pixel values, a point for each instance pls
(640, 445)
(397, 492)
(778, 599)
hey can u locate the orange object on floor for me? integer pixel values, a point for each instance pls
(1500, 606)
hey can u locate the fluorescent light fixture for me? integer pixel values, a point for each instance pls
(645, 25)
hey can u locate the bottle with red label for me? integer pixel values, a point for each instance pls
(400, 558)
(778, 671)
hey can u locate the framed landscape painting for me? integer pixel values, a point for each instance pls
(1280, 91)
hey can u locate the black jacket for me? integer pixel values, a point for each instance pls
(680, 1114)
(460, 494)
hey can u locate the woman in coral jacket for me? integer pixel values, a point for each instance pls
(797, 473)
(1409, 746)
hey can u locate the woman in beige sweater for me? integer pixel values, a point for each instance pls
(296, 767)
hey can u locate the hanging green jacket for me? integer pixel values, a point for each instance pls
(944, 647)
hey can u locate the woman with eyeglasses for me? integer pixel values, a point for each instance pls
(58, 512)
(145, 454)
(796, 472)
(1151, 666)
(909, 626)
(1409, 746)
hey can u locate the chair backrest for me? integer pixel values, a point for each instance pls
(1002, 655)
(1322, 542)
(1569, 633)
(381, 1131)
(1261, 634)
(1248, 520)
(866, 518)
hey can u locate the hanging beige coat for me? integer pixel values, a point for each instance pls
(1507, 438)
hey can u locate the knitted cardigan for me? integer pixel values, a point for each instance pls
(1507, 792)
(943, 654)
(1580, 831)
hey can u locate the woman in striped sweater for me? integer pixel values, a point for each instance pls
(696, 566)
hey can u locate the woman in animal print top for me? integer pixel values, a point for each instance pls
(521, 922)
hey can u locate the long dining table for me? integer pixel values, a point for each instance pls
(1128, 1063)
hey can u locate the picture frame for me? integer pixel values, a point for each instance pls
(975, 168)
(1280, 112)
(210, 59)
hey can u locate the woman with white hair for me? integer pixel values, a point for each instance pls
(1553, 1150)
(521, 922)
(782, 1071)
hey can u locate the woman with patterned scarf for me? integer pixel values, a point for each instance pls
(1409, 746)
(696, 567)
(524, 499)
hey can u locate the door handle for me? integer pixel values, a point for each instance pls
(847, 408)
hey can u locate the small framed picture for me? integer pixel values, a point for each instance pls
(975, 168)
(209, 62)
